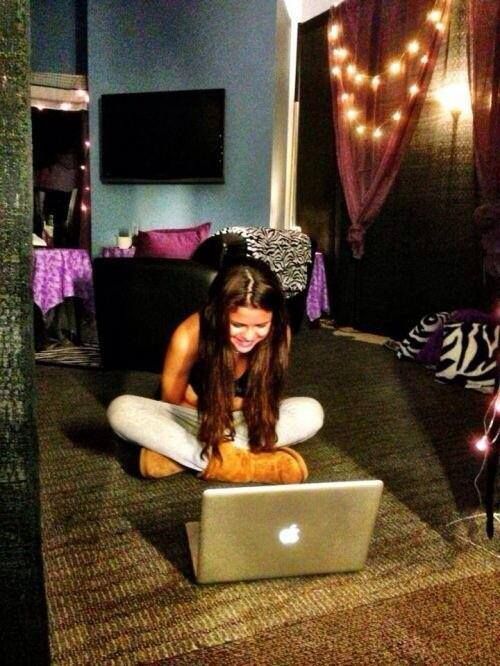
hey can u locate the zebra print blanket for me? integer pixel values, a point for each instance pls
(461, 346)
(288, 252)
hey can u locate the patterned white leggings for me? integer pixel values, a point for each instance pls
(172, 429)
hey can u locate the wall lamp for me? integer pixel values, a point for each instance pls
(455, 98)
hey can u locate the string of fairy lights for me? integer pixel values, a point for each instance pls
(491, 425)
(486, 444)
(353, 84)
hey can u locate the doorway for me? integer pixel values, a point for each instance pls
(60, 177)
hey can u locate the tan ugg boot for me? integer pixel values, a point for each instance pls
(153, 465)
(283, 465)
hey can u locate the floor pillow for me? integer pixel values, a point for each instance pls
(469, 355)
(419, 335)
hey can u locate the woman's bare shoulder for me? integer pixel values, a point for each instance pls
(187, 335)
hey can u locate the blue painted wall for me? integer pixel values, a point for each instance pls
(180, 44)
(53, 36)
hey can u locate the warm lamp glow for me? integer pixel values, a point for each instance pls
(396, 116)
(413, 47)
(375, 82)
(434, 16)
(351, 69)
(455, 98)
(377, 133)
(413, 90)
(336, 71)
(352, 114)
(360, 129)
(340, 54)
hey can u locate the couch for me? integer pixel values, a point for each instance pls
(139, 303)
(141, 300)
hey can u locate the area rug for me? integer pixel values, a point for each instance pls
(119, 583)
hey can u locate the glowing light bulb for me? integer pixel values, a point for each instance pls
(377, 133)
(360, 129)
(395, 67)
(413, 46)
(424, 59)
(352, 114)
(82, 94)
(82, 167)
(375, 82)
(340, 54)
(434, 16)
(455, 98)
(359, 78)
(335, 31)
(497, 405)
(482, 444)
(336, 71)
(396, 116)
(83, 208)
(87, 144)
(87, 189)
(351, 69)
(440, 26)
(344, 97)
(413, 90)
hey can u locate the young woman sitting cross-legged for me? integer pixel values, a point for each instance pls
(221, 412)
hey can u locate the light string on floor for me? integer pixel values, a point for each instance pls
(484, 444)
(352, 82)
(489, 438)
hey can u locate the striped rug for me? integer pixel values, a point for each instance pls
(84, 356)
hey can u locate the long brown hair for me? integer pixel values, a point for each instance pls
(250, 283)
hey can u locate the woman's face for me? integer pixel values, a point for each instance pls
(248, 327)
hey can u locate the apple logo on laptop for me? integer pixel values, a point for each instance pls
(289, 535)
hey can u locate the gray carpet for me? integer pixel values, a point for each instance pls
(119, 583)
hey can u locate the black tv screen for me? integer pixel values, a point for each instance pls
(162, 137)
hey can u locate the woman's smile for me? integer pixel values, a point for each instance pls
(248, 327)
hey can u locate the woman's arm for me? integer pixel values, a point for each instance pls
(181, 355)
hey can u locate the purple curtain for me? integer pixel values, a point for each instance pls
(365, 37)
(484, 78)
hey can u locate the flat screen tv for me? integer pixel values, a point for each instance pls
(162, 137)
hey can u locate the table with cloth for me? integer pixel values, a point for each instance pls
(60, 274)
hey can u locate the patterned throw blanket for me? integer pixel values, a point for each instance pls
(288, 252)
(461, 347)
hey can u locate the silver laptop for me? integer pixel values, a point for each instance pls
(286, 530)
